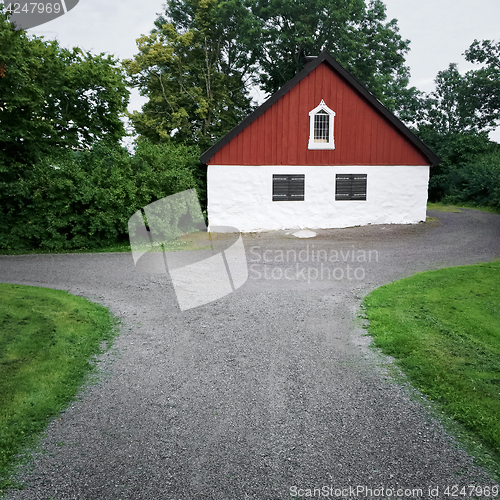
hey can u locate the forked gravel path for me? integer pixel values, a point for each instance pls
(268, 389)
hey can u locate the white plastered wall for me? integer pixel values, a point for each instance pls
(241, 197)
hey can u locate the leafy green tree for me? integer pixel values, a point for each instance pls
(198, 64)
(378, 61)
(192, 69)
(485, 88)
(53, 98)
(454, 121)
(477, 182)
(87, 200)
(470, 102)
(52, 101)
(228, 27)
(356, 34)
(456, 151)
(447, 109)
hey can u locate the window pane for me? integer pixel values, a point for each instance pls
(321, 127)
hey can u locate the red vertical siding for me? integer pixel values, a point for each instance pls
(280, 135)
(302, 125)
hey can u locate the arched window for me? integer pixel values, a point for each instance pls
(321, 127)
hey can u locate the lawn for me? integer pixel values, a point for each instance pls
(443, 330)
(186, 242)
(122, 246)
(47, 341)
(445, 207)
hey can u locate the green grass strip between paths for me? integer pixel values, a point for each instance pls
(443, 329)
(47, 340)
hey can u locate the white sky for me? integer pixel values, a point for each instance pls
(439, 31)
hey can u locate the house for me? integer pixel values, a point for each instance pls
(320, 153)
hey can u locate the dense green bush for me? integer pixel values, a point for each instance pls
(469, 169)
(86, 199)
(165, 169)
(477, 182)
(455, 151)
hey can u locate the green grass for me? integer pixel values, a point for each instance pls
(187, 242)
(441, 207)
(47, 341)
(443, 329)
(123, 246)
(444, 207)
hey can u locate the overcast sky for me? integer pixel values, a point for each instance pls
(439, 31)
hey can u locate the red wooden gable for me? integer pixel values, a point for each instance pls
(365, 132)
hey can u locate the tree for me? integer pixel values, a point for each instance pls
(87, 200)
(456, 150)
(52, 98)
(357, 35)
(455, 120)
(192, 69)
(197, 65)
(447, 109)
(227, 25)
(52, 101)
(468, 103)
(485, 92)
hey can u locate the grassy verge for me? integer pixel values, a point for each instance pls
(47, 340)
(443, 330)
(444, 207)
(187, 242)
(117, 247)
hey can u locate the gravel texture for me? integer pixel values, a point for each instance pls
(267, 390)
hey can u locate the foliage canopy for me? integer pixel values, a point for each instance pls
(357, 34)
(192, 68)
(87, 200)
(455, 119)
(198, 64)
(53, 99)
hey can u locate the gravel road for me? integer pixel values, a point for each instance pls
(268, 391)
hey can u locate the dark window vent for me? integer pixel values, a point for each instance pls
(350, 187)
(288, 187)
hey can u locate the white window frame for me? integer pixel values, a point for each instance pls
(321, 145)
